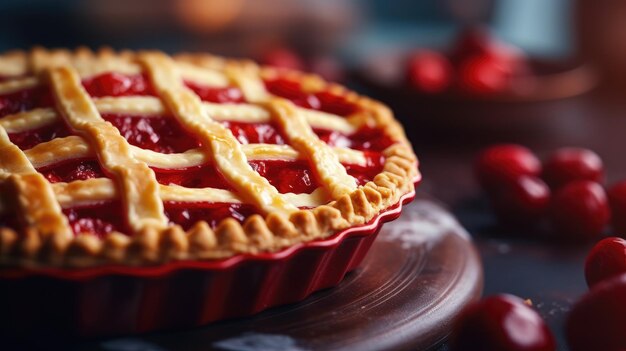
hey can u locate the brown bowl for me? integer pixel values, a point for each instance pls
(465, 117)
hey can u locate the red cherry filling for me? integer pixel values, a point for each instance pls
(204, 176)
(322, 101)
(503, 164)
(116, 84)
(220, 95)
(287, 176)
(373, 166)
(370, 139)
(28, 139)
(160, 134)
(72, 170)
(365, 139)
(187, 214)
(100, 219)
(104, 218)
(25, 100)
(255, 133)
(166, 135)
(291, 90)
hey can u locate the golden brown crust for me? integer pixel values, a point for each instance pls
(276, 231)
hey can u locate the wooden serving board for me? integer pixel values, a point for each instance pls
(421, 270)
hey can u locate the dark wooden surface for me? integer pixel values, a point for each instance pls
(420, 272)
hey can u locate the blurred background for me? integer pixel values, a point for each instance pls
(459, 74)
(348, 29)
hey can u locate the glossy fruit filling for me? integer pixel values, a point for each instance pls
(160, 134)
(365, 139)
(287, 176)
(100, 219)
(322, 101)
(25, 100)
(106, 217)
(255, 133)
(373, 166)
(72, 170)
(187, 214)
(29, 139)
(204, 176)
(221, 95)
(116, 84)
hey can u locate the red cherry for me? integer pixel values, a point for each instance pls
(617, 199)
(484, 74)
(504, 163)
(607, 259)
(598, 320)
(569, 164)
(502, 323)
(525, 198)
(429, 71)
(283, 58)
(480, 41)
(580, 210)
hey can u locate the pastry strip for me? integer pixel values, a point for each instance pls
(218, 142)
(34, 195)
(136, 181)
(147, 106)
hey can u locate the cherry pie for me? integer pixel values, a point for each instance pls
(141, 158)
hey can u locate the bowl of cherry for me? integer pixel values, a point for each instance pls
(476, 81)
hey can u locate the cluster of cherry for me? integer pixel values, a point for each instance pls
(478, 63)
(566, 191)
(567, 188)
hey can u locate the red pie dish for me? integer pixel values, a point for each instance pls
(143, 192)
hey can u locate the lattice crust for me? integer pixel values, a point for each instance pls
(48, 239)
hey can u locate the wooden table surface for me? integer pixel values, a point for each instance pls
(447, 136)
